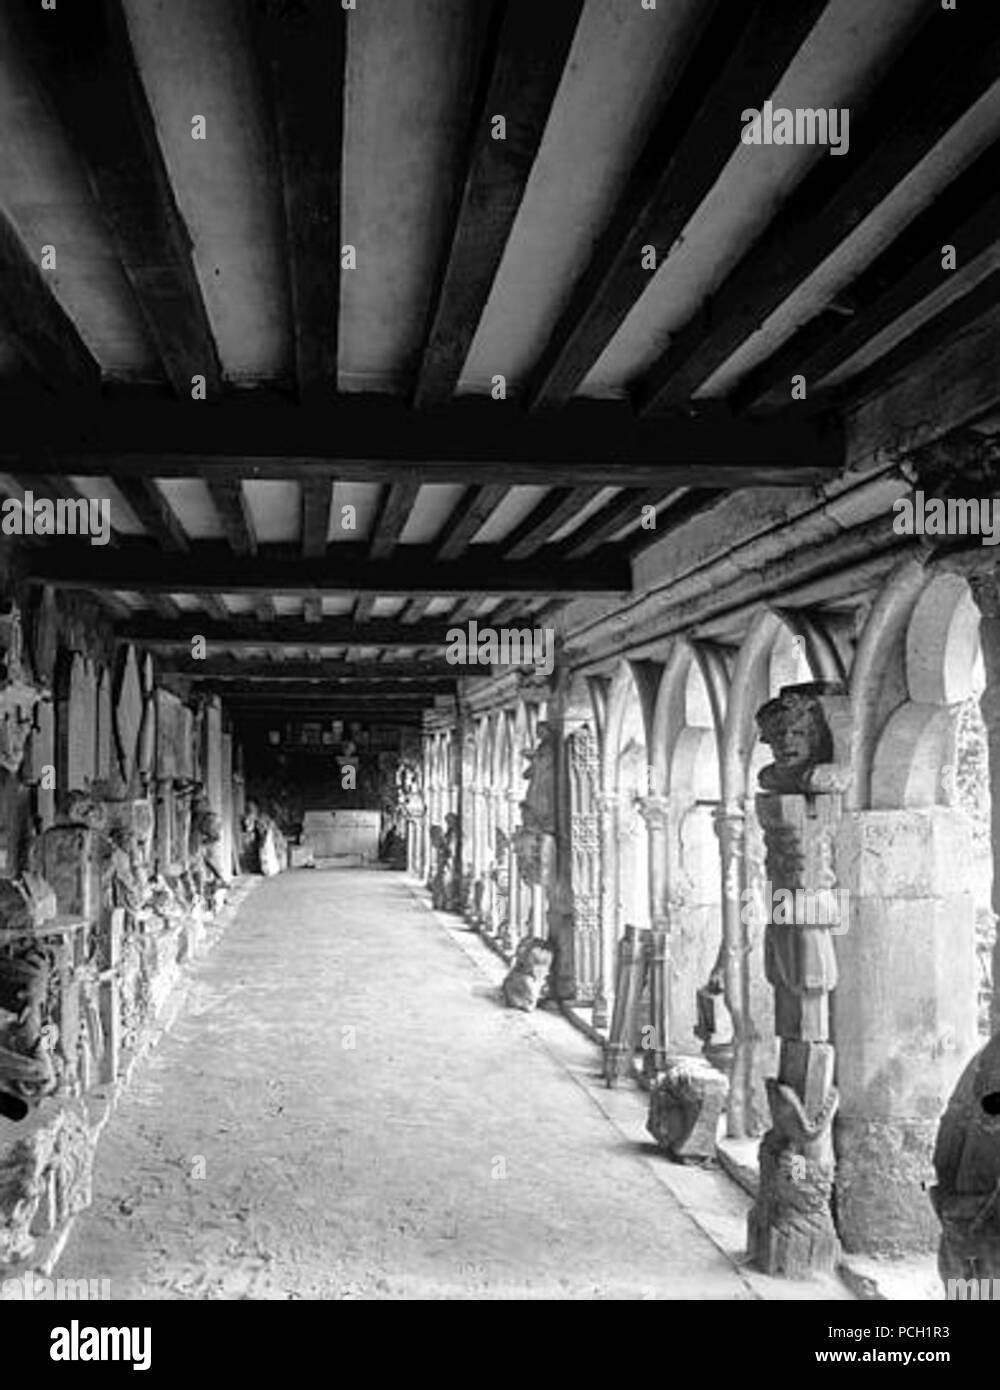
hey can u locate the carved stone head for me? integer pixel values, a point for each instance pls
(794, 725)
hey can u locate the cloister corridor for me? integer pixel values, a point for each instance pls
(343, 1109)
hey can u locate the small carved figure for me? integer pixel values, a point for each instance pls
(526, 983)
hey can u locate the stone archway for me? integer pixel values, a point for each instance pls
(904, 1011)
(686, 728)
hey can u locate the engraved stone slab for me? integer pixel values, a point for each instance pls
(128, 713)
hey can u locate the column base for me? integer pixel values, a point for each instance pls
(883, 1172)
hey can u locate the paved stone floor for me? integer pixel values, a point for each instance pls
(344, 1109)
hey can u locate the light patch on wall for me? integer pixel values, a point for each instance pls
(191, 502)
(364, 498)
(429, 513)
(510, 513)
(275, 509)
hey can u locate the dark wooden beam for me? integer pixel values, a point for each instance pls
(473, 510)
(966, 215)
(525, 58)
(317, 499)
(214, 607)
(394, 510)
(693, 502)
(36, 323)
(977, 304)
(254, 689)
(375, 439)
(552, 513)
(468, 607)
(139, 567)
(333, 671)
(231, 504)
(736, 63)
(164, 606)
(415, 609)
(155, 512)
(940, 76)
(235, 634)
(302, 51)
(608, 520)
(87, 71)
(312, 609)
(364, 607)
(264, 607)
(267, 712)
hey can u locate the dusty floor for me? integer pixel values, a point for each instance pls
(345, 1110)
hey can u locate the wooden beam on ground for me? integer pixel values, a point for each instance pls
(231, 504)
(37, 324)
(966, 216)
(525, 58)
(155, 513)
(302, 54)
(552, 513)
(317, 499)
(86, 69)
(141, 568)
(237, 633)
(376, 439)
(394, 511)
(736, 63)
(940, 76)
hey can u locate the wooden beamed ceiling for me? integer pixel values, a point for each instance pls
(305, 509)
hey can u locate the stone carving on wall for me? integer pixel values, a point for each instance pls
(28, 1065)
(585, 860)
(791, 1230)
(967, 1163)
(18, 692)
(45, 1179)
(409, 792)
(445, 886)
(128, 714)
(808, 730)
(534, 839)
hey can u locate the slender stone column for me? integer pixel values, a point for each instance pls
(986, 592)
(729, 976)
(580, 969)
(655, 811)
(511, 927)
(607, 806)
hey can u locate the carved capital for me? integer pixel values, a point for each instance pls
(655, 811)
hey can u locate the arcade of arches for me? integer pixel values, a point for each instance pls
(653, 820)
